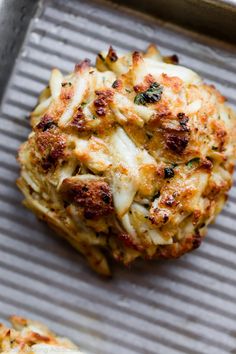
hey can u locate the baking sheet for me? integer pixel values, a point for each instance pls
(171, 307)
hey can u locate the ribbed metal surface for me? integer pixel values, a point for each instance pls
(185, 306)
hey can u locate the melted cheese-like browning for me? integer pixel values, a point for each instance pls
(26, 336)
(133, 157)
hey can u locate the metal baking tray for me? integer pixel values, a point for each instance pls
(171, 307)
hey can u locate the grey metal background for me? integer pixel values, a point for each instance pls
(184, 306)
(14, 19)
(216, 18)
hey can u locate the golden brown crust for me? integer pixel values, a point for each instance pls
(26, 336)
(93, 196)
(133, 158)
(51, 147)
(177, 249)
(104, 97)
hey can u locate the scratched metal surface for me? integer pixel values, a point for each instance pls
(184, 306)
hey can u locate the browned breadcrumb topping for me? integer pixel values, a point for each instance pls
(94, 197)
(133, 158)
(26, 336)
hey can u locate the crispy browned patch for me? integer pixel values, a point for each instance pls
(177, 139)
(206, 164)
(117, 84)
(175, 83)
(46, 123)
(177, 249)
(173, 130)
(148, 80)
(220, 134)
(176, 142)
(162, 112)
(103, 100)
(159, 217)
(51, 146)
(214, 189)
(137, 58)
(34, 337)
(67, 91)
(93, 196)
(78, 121)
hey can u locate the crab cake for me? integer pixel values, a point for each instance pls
(131, 158)
(32, 337)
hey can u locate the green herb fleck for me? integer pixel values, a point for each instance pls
(94, 117)
(191, 162)
(215, 148)
(151, 95)
(128, 90)
(83, 104)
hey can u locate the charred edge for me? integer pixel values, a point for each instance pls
(51, 147)
(176, 142)
(51, 160)
(183, 120)
(112, 56)
(46, 123)
(172, 59)
(101, 57)
(221, 137)
(178, 139)
(36, 337)
(101, 103)
(78, 120)
(197, 240)
(206, 164)
(83, 65)
(95, 198)
(169, 172)
(117, 84)
(137, 57)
